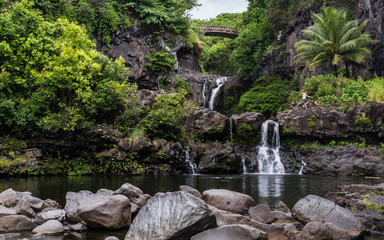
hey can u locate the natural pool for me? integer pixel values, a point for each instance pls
(264, 188)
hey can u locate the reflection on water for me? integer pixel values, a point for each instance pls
(264, 188)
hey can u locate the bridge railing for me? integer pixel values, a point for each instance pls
(213, 28)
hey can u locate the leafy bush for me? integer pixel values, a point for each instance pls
(181, 84)
(329, 89)
(166, 118)
(56, 80)
(216, 59)
(161, 62)
(268, 95)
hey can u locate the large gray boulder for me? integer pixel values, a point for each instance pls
(317, 209)
(231, 232)
(14, 223)
(51, 227)
(206, 122)
(99, 210)
(173, 215)
(229, 200)
(9, 198)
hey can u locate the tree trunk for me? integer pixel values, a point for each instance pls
(347, 69)
(335, 71)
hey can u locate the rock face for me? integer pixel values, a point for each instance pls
(321, 121)
(173, 215)
(253, 119)
(337, 161)
(207, 123)
(100, 210)
(228, 200)
(220, 158)
(316, 209)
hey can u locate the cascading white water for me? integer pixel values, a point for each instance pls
(230, 128)
(220, 82)
(302, 167)
(268, 156)
(203, 93)
(192, 166)
(244, 166)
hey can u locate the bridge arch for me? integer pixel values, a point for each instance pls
(219, 31)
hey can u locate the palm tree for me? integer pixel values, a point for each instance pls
(334, 39)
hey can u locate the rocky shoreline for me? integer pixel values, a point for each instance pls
(354, 212)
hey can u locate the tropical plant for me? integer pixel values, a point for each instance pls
(334, 39)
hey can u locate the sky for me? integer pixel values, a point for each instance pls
(212, 8)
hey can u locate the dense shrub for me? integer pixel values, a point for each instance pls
(52, 78)
(268, 95)
(330, 89)
(166, 118)
(160, 62)
(376, 90)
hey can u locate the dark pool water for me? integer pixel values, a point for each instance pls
(267, 189)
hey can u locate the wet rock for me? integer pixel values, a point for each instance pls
(9, 198)
(230, 232)
(173, 215)
(279, 232)
(316, 231)
(14, 223)
(23, 207)
(190, 190)
(314, 208)
(338, 233)
(50, 215)
(99, 210)
(228, 200)
(51, 227)
(134, 194)
(111, 238)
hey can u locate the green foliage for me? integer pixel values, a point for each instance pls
(250, 45)
(181, 84)
(161, 62)
(11, 143)
(244, 134)
(334, 39)
(56, 80)
(268, 95)
(329, 89)
(376, 90)
(311, 123)
(363, 121)
(166, 118)
(216, 59)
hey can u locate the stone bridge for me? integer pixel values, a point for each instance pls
(219, 31)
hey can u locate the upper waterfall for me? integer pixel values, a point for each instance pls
(220, 82)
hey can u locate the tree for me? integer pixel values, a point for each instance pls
(51, 76)
(334, 39)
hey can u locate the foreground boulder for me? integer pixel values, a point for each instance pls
(100, 210)
(230, 232)
(51, 227)
(14, 223)
(228, 200)
(317, 209)
(173, 215)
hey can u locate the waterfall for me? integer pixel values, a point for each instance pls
(204, 90)
(244, 166)
(367, 5)
(302, 167)
(230, 129)
(268, 157)
(220, 82)
(192, 166)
